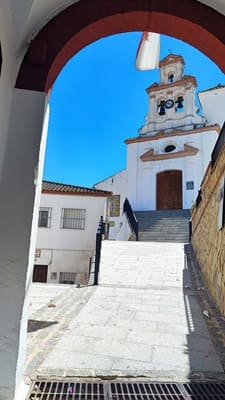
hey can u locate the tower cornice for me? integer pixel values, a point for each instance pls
(164, 135)
(171, 59)
(155, 87)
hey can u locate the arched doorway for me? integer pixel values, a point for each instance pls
(169, 190)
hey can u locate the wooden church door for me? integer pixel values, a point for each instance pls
(169, 190)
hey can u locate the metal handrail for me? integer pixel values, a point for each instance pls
(98, 246)
(199, 198)
(127, 209)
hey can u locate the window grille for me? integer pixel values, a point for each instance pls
(45, 216)
(73, 218)
(115, 205)
(67, 278)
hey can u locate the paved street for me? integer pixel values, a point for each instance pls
(142, 320)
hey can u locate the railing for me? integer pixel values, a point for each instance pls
(218, 146)
(199, 198)
(131, 217)
(190, 229)
(98, 246)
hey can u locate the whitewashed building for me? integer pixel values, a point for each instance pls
(68, 220)
(212, 101)
(168, 158)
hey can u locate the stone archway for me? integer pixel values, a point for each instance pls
(86, 21)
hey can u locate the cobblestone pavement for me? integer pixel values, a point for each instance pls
(144, 319)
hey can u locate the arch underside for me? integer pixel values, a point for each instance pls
(89, 20)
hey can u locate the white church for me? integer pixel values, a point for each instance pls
(167, 160)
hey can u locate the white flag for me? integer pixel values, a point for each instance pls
(148, 51)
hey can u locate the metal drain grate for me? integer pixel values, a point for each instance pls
(130, 390)
(146, 391)
(205, 390)
(54, 390)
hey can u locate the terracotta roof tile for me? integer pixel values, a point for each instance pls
(62, 188)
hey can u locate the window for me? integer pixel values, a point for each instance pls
(115, 205)
(73, 218)
(68, 278)
(37, 253)
(53, 275)
(45, 215)
(169, 148)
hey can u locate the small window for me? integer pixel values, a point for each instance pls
(169, 148)
(53, 275)
(37, 253)
(115, 205)
(73, 218)
(45, 215)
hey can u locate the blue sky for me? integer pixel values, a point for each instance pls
(99, 100)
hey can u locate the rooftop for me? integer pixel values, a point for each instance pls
(62, 188)
(219, 86)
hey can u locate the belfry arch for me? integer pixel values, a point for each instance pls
(57, 41)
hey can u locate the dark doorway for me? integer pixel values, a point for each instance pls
(40, 273)
(169, 190)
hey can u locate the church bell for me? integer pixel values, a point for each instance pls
(162, 108)
(180, 102)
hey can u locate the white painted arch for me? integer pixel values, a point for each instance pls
(21, 122)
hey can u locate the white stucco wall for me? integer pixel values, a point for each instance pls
(117, 184)
(213, 104)
(68, 250)
(142, 175)
(17, 192)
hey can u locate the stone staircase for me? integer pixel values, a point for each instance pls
(164, 225)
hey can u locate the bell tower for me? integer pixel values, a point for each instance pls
(172, 100)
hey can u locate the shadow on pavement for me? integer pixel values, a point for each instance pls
(203, 356)
(35, 325)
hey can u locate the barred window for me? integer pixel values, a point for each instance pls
(115, 205)
(45, 216)
(73, 218)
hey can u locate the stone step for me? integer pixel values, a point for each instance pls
(163, 225)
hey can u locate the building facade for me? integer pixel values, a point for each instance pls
(68, 220)
(208, 225)
(168, 158)
(37, 39)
